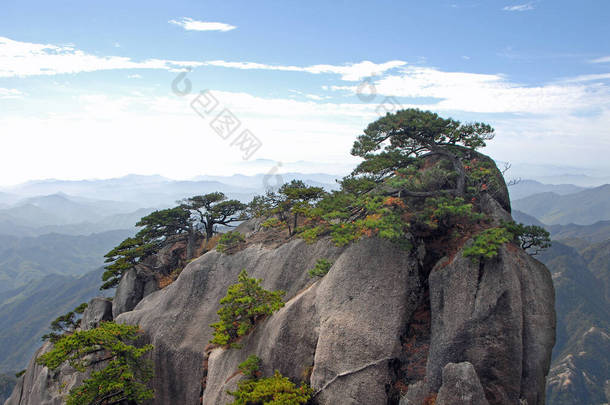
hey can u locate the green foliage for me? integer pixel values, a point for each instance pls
(245, 303)
(445, 212)
(210, 210)
(395, 140)
(250, 368)
(321, 268)
(123, 257)
(123, 378)
(487, 243)
(20, 373)
(229, 241)
(66, 323)
(276, 390)
(159, 225)
(272, 222)
(292, 200)
(533, 239)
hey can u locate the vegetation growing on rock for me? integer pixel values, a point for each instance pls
(124, 372)
(275, 390)
(245, 303)
(321, 268)
(66, 323)
(229, 241)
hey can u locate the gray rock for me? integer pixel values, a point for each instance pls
(344, 330)
(498, 315)
(176, 319)
(40, 386)
(461, 385)
(98, 310)
(416, 394)
(135, 284)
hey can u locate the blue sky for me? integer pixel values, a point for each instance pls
(85, 87)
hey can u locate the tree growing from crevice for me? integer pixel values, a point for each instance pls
(65, 324)
(245, 303)
(119, 373)
(402, 140)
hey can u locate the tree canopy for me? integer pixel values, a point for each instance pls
(396, 141)
(210, 210)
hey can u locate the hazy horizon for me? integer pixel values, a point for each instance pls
(110, 94)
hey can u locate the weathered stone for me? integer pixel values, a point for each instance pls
(461, 385)
(498, 315)
(98, 310)
(135, 284)
(176, 319)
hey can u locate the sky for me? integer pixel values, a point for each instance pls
(190, 88)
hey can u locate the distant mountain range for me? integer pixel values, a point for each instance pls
(582, 208)
(24, 260)
(581, 363)
(25, 313)
(153, 191)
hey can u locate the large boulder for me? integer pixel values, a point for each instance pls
(136, 283)
(498, 315)
(98, 310)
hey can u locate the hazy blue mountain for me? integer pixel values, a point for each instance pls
(597, 232)
(583, 208)
(145, 191)
(523, 218)
(525, 188)
(597, 256)
(7, 382)
(581, 361)
(23, 260)
(26, 312)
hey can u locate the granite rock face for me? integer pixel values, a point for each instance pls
(98, 310)
(489, 327)
(498, 315)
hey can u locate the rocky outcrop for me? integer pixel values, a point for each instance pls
(135, 284)
(342, 333)
(498, 315)
(41, 386)
(98, 310)
(381, 321)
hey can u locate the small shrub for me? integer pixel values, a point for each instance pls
(276, 390)
(322, 267)
(228, 241)
(245, 303)
(273, 222)
(20, 373)
(487, 243)
(250, 368)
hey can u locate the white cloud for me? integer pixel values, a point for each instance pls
(348, 72)
(135, 76)
(604, 59)
(519, 7)
(10, 93)
(486, 93)
(194, 25)
(21, 59)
